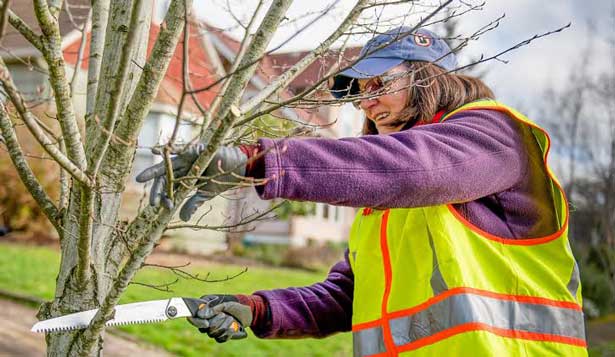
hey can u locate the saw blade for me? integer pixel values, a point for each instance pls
(135, 313)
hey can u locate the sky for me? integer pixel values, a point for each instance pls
(521, 81)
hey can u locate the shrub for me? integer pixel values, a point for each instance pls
(598, 284)
(18, 209)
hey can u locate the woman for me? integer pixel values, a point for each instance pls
(462, 244)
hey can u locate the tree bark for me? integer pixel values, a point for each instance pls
(75, 292)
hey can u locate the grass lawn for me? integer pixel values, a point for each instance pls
(32, 270)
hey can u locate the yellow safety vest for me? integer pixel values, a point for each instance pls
(428, 282)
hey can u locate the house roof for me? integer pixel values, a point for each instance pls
(333, 59)
(266, 72)
(169, 93)
(71, 19)
(201, 72)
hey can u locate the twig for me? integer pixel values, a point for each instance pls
(236, 67)
(299, 67)
(160, 287)
(516, 46)
(169, 172)
(80, 53)
(299, 102)
(35, 129)
(185, 82)
(100, 14)
(258, 216)
(4, 13)
(25, 172)
(183, 274)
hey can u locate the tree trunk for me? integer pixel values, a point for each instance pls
(70, 296)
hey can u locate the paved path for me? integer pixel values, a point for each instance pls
(17, 340)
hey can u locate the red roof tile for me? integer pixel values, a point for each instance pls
(282, 61)
(170, 91)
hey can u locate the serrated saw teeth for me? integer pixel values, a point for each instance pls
(122, 323)
(59, 329)
(125, 314)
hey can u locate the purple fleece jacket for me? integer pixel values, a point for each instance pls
(483, 161)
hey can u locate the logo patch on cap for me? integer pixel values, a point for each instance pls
(422, 40)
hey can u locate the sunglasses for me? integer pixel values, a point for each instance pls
(376, 86)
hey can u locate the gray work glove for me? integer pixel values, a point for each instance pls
(222, 318)
(226, 159)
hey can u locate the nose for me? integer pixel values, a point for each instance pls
(367, 103)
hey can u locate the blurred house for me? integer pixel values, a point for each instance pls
(210, 55)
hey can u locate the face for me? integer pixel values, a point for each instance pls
(385, 110)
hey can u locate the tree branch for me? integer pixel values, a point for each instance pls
(52, 51)
(64, 184)
(80, 53)
(25, 30)
(55, 6)
(25, 172)
(292, 73)
(4, 13)
(35, 129)
(185, 85)
(100, 15)
(48, 22)
(98, 150)
(43, 15)
(228, 112)
(254, 217)
(241, 52)
(307, 91)
(153, 73)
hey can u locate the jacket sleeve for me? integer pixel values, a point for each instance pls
(426, 165)
(312, 311)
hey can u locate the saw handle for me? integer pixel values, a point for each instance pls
(194, 305)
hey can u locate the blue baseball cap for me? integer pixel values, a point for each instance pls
(401, 45)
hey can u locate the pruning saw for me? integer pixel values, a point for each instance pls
(135, 313)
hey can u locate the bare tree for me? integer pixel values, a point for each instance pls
(100, 254)
(581, 117)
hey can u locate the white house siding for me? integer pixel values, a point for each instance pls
(31, 81)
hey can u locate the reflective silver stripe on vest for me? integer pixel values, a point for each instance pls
(467, 308)
(510, 315)
(368, 342)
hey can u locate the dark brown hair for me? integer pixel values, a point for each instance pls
(433, 89)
